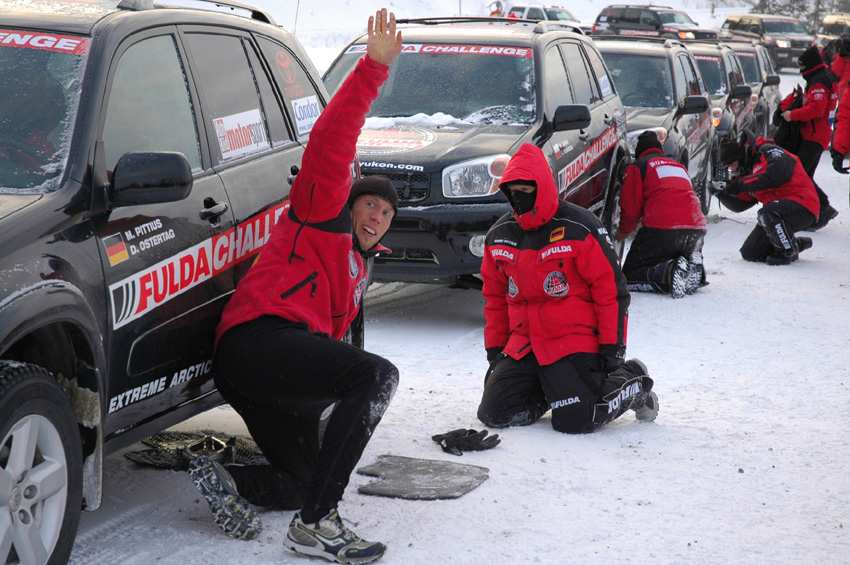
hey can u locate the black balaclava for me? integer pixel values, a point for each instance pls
(647, 140)
(521, 202)
(809, 59)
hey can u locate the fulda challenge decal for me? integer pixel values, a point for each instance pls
(454, 49)
(587, 158)
(68, 44)
(146, 290)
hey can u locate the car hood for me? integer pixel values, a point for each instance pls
(11, 203)
(643, 118)
(412, 147)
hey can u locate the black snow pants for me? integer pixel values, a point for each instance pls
(652, 254)
(280, 378)
(809, 154)
(777, 223)
(582, 397)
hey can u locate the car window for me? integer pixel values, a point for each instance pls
(233, 110)
(561, 14)
(679, 79)
(602, 78)
(580, 80)
(782, 26)
(674, 18)
(535, 14)
(641, 80)
(750, 67)
(303, 101)
(556, 85)
(517, 11)
(766, 63)
(631, 16)
(733, 70)
(271, 106)
(713, 74)
(149, 107)
(694, 87)
(648, 18)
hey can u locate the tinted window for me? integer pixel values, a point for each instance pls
(835, 28)
(601, 73)
(679, 79)
(233, 110)
(694, 87)
(516, 11)
(733, 70)
(779, 26)
(535, 14)
(149, 108)
(556, 85)
(631, 16)
(303, 101)
(750, 67)
(674, 18)
(648, 18)
(559, 14)
(642, 81)
(580, 80)
(271, 107)
(711, 69)
(766, 63)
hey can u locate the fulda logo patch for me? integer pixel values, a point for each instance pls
(556, 284)
(513, 289)
(557, 234)
(353, 268)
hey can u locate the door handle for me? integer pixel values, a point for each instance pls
(583, 135)
(212, 209)
(293, 172)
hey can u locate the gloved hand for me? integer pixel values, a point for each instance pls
(611, 356)
(838, 162)
(460, 440)
(493, 353)
(734, 186)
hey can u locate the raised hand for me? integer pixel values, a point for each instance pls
(384, 42)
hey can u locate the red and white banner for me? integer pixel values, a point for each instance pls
(456, 49)
(42, 41)
(241, 134)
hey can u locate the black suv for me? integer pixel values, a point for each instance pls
(732, 100)
(462, 97)
(659, 84)
(785, 37)
(759, 74)
(643, 20)
(143, 161)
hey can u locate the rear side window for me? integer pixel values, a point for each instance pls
(516, 11)
(648, 18)
(535, 14)
(555, 82)
(580, 79)
(605, 88)
(631, 16)
(303, 101)
(274, 116)
(233, 110)
(149, 108)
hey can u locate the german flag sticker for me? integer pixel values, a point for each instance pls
(116, 250)
(556, 235)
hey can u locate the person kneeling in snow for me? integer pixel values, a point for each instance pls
(555, 312)
(279, 353)
(771, 175)
(666, 255)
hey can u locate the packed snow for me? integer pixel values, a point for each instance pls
(746, 462)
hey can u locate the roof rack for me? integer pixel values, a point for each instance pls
(540, 26)
(232, 7)
(666, 41)
(550, 25)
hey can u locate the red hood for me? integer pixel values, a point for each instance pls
(530, 164)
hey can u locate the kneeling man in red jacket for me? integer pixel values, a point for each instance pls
(555, 312)
(666, 255)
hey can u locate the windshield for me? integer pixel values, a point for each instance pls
(781, 26)
(471, 83)
(641, 80)
(712, 73)
(837, 28)
(675, 18)
(41, 73)
(751, 70)
(559, 14)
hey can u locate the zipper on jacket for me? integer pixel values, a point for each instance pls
(301, 284)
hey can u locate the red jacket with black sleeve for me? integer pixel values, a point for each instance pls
(309, 271)
(658, 189)
(818, 102)
(776, 175)
(841, 135)
(552, 282)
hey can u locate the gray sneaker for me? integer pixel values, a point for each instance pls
(234, 515)
(330, 539)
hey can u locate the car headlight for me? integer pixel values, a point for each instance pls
(783, 44)
(632, 136)
(686, 35)
(476, 177)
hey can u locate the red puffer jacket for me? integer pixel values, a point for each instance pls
(818, 102)
(309, 270)
(552, 283)
(658, 189)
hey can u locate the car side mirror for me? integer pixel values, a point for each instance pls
(772, 80)
(693, 105)
(150, 178)
(569, 118)
(741, 91)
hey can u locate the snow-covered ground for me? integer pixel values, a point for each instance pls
(746, 463)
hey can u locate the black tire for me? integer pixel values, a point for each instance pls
(611, 212)
(701, 186)
(31, 400)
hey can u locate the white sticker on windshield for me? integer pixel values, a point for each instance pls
(605, 85)
(306, 111)
(241, 134)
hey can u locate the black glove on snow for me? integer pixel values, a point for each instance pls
(611, 356)
(493, 353)
(838, 162)
(460, 440)
(734, 186)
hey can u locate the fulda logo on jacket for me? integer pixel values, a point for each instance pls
(497, 252)
(556, 284)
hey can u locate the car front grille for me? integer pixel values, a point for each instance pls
(800, 44)
(411, 187)
(705, 34)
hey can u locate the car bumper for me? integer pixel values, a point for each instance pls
(430, 244)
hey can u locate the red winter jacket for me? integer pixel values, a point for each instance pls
(309, 270)
(778, 175)
(818, 102)
(552, 283)
(658, 189)
(840, 68)
(841, 135)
